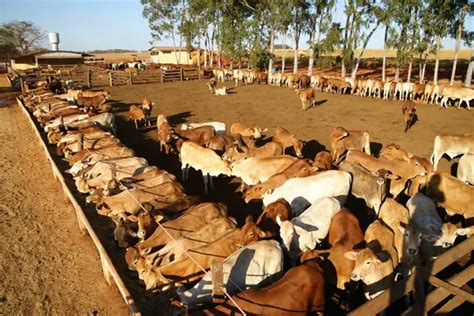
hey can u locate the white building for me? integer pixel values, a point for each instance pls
(166, 55)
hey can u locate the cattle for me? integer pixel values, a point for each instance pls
(200, 135)
(68, 149)
(301, 192)
(343, 140)
(285, 139)
(375, 264)
(95, 102)
(418, 90)
(299, 292)
(219, 127)
(96, 156)
(270, 149)
(409, 114)
(401, 170)
(176, 249)
(165, 133)
(292, 80)
(344, 235)
(304, 232)
(203, 159)
(188, 269)
(451, 145)
(193, 219)
(437, 92)
(242, 130)
(106, 151)
(372, 187)
(407, 237)
(147, 106)
(464, 94)
(322, 161)
(465, 171)
(66, 121)
(306, 96)
(266, 225)
(256, 170)
(220, 143)
(136, 114)
(451, 193)
(299, 168)
(427, 93)
(263, 259)
(393, 151)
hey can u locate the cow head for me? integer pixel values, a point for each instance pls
(367, 266)
(250, 232)
(132, 257)
(448, 234)
(255, 192)
(393, 151)
(411, 238)
(416, 168)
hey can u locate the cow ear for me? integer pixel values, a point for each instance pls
(430, 237)
(264, 130)
(248, 219)
(463, 231)
(132, 218)
(392, 176)
(383, 256)
(262, 234)
(278, 220)
(351, 255)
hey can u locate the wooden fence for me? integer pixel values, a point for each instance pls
(110, 272)
(435, 300)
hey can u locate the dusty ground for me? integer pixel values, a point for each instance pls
(46, 266)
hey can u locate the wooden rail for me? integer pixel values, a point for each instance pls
(427, 273)
(110, 272)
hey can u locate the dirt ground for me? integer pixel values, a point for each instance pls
(46, 266)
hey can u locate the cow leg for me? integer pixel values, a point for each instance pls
(183, 172)
(211, 181)
(205, 179)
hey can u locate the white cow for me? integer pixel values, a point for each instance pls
(466, 168)
(243, 269)
(302, 233)
(66, 120)
(300, 192)
(219, 127)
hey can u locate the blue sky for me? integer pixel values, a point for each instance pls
(106, 24)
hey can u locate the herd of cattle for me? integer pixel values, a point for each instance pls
(172, 238)
(428, 93)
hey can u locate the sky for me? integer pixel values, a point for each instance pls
(85, 25)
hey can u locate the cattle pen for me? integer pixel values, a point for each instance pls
(438, 300)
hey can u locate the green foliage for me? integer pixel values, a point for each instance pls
(21, 37)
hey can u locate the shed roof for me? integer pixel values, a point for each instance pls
(53, 54)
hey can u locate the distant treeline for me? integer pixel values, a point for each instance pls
(105, 51)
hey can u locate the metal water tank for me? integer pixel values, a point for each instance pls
(54, 40)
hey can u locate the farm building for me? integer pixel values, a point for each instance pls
(47, 58)
(166, 55)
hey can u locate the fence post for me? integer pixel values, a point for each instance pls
(162, 75)
(22, 85)
(217, 273)
(182, 74)
(88, 78)
(130, 82)
(110, 79)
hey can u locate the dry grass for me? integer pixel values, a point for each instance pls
(125, 57)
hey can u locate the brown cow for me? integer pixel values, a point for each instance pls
(270, 149)
(136, 114)
(343, 140)
(200, 135)
(147, 106)
(165, 133)
(299, 292)
(306, 95)
(266, 225)
(409, 114)
(243, 130)
(304, 82)
(345, 235)
(220, 143)
(285, 139)
(323, 161)
(94, 102)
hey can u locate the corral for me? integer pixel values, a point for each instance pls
(269, 107)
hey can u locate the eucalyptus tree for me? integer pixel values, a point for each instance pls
(299, 18)
(461, 9)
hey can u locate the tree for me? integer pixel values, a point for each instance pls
(460, 8)
(21, 37)
(299, 18)
(279, 19)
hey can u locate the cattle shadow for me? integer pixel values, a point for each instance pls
(375, 148)
(180, 118)
(319, 102)
(454, 169)
(311, 148)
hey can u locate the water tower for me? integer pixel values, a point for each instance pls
(54, 40)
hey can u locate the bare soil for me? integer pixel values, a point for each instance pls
(46, 266)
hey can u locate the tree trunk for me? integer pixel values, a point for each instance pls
(384, 60)
(206, 43)
(311, 55)
(283, 58)
(295, 60)
(422, 79)
(458, 43)
(199, 52)
(470, 68)
(435, 75)
(272, 50)
(409, 69)
(397, 74)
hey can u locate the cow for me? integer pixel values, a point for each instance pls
(92, 102)
(372, 187)
(242, 130)
(306, 96)
(437, 92)
(451, 193)
(221, 143)
(304, 232)
(136, 114)
(285, 139)
(299, 292)
(427, 93)
(98, 155)
(375, 264)
(270, 149)
(299, 168)
(407, 236)
(393, 151)
(147, 106)
(409, 114)
(451, 145)
(464, 94)
(66, 121)
(200, 135)
(344, 235)
(300, 192)
(322, 161)
(266, 225)
(465, 171)
(263, 259)
(203, 159)
(256, 170)
(188, 269)
(106, 151)
(219, 127)
(343, 140)
(165, 133)
(418, 90)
